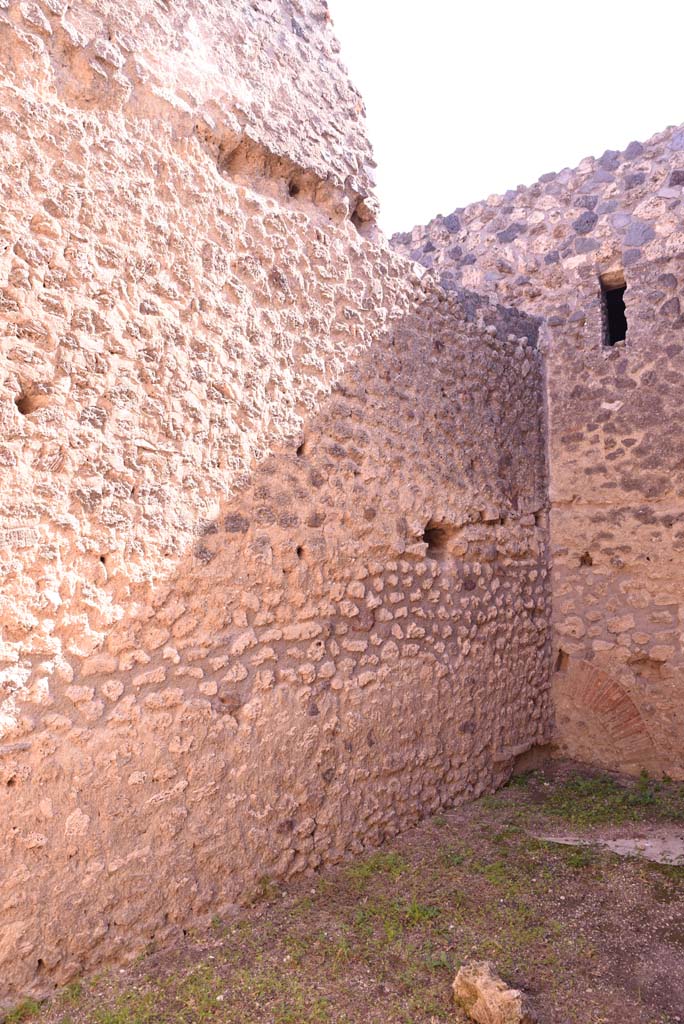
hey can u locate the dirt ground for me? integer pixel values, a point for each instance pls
(593, 938)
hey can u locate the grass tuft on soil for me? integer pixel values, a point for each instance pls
(584, 801)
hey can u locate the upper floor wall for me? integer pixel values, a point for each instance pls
(544, 247)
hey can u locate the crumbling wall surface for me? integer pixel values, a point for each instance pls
(616, 445)
(272, 516)
(260, 84)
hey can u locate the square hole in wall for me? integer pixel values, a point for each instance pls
(613, 287)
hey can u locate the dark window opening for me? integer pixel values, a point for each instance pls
(615, 316)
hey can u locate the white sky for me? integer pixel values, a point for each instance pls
(473, 98)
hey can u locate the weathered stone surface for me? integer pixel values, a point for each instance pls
(616, 434)
(482, 994)
(585, 223)
(272, 508)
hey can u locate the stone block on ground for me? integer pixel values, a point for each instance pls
(487, 999)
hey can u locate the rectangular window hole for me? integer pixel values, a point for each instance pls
(613, 289)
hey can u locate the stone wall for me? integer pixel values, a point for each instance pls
(616, 447)
(272, 510)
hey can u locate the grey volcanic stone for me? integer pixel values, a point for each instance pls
(621, 220)
(510, 233)
(671, 307)
(639, 232)
(667, 280)
(634, 150)
(585, 223)
(610, 160)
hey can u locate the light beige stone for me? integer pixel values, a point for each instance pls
(486, 998)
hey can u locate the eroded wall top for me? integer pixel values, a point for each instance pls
(265, 72)
(527, 246)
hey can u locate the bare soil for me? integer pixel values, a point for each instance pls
(593, 938)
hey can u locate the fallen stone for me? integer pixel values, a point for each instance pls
(487, 999)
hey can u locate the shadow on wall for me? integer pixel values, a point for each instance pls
(318, 672)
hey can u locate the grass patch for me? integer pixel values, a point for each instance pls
(388, 863)
(285, 998)
(454, 857)
(578, 857)
(129, 1008)
(387, 920)
(601, 800)
(522, 780)
(198, 994)
(72, 992)
(667, 880)
(26, 1010)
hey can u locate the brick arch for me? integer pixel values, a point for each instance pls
(598, 721)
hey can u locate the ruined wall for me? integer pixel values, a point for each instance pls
(272, 511)
(616, 447)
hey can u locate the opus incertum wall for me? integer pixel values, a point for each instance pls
(272, 510)
(616, 433)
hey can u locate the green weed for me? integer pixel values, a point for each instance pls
(24, 1011)
(72, 992)
(389, 863)
(601, 800)
(130, 1008)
